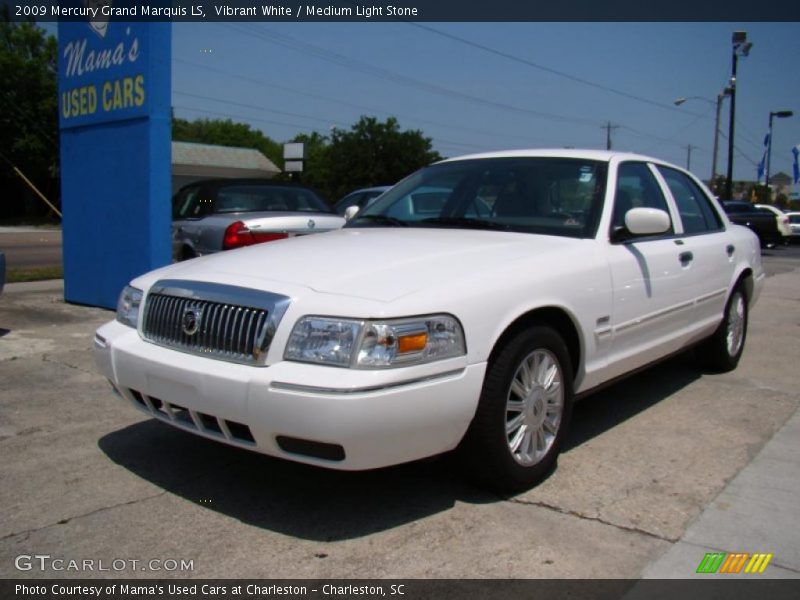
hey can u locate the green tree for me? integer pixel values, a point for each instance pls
(717, 186)
(758, 194)
(28, 112)
(374, 153)
(316, 167)
(226, 133)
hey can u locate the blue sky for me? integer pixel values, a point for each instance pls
(288, 78)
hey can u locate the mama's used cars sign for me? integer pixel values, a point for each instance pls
(114, 112)
(102, 71)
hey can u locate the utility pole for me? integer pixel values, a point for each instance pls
(720, 98)
(740, 45)
(689, 156)
(608, 127)
(781, 114)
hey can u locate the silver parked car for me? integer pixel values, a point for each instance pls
(222, 214)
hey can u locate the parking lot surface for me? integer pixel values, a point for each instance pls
(86, 477)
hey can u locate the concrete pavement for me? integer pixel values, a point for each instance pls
(657, 470)
(758, 511)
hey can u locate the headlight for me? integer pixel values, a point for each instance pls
(128, 306)
(323, 340)
(375, 344)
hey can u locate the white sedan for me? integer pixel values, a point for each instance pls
(781, 218)
(470, 318)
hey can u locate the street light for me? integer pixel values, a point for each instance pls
(781, 114)
(720, 97)
(740, 46)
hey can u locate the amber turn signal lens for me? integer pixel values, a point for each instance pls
(412, 343)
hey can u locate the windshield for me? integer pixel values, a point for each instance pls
(267, 198)
(553, 196)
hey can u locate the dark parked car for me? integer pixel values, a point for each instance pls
(360, 198)
(222, 214)
(761, 221)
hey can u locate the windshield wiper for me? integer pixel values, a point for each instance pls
(465, 222)
(382, 219)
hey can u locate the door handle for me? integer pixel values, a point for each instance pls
(685, 258)
(730, 249)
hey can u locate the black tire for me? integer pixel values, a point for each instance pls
(722, 351)
(487, 451)
(187, 253)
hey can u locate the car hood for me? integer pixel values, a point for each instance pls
(372, 263)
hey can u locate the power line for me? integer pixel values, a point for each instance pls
(738, 150)
(232, 115)
(330, 56)
(671, 139)
(259, 108)
(524, 61)
(385, 74)
(498, 134)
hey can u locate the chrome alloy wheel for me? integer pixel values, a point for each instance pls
(736, 324)
(534, 406)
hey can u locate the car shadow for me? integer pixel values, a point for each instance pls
(325, 505)
(615, 404)
(290, 498)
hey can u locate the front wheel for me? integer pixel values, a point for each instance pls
(723, 350)
(523, 412)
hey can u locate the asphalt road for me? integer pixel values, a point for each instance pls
(86, 476)
(781, 259)
(30, 248)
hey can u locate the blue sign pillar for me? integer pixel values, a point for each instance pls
(115, 120)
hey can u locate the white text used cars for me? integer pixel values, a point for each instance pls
(466, 309)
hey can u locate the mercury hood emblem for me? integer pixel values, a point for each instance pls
(191, 319)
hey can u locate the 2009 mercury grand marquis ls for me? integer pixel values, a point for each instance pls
(467, 309)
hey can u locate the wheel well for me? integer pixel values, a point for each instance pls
(553, 317)
(746, 279)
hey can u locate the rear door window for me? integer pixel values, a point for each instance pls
(694, 208)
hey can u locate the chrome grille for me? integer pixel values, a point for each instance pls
(226, 322)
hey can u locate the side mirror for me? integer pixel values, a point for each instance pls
(646, 221)
(350, 212)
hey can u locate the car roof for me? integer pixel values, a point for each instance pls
(218, 182)
(579, 153)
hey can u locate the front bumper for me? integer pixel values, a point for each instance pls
(339, 418)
